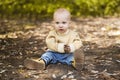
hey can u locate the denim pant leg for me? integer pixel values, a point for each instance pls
(67, 58)
(48, 57)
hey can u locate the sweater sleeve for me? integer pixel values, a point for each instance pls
(51, 41)
(53, 44)
(77, 43)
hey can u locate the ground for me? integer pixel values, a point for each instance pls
(21, 39)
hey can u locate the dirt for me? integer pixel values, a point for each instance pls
(101, 45)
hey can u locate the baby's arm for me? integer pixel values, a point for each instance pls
(76, 44)
(51, 42)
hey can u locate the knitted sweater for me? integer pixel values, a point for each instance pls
(56, 41)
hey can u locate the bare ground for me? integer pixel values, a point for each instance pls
(23, 39)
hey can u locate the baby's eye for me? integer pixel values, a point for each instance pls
(64, 22)
(57, 22)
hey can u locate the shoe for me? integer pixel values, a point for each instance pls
(77, 66)
(34, 64)
(74, 64)
(79, 61)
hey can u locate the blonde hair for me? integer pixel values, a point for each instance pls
(62, 11)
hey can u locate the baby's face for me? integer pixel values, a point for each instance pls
(61, 23)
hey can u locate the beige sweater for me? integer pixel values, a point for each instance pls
(56, 41)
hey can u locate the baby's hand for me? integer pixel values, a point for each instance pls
(67, 49)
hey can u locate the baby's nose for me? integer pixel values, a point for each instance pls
(61, 26)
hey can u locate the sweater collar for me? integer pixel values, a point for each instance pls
(62, 34)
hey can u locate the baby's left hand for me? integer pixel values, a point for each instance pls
(67, 48)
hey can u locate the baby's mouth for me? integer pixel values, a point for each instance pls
(61, 29)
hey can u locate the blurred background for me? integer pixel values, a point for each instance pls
(24, 25)
(20, 12)
(44, 8)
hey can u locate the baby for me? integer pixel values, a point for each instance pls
(61, 42)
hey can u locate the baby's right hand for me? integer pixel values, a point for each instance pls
(67, 49)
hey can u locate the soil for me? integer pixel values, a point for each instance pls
(26, 39)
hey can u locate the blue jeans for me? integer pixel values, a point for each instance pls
(51, 57)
